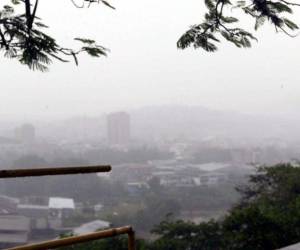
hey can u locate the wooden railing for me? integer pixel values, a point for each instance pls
(52, 244)
(14, 173)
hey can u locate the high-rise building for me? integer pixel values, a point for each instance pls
(25, 133)
(118, 128)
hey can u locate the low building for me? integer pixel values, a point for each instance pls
(136, 188)
(212, 178)
(37, 214)
(132, 172)
(14, 230)
(177, 181)
(8, 205)
(60, 209)
(98, 207)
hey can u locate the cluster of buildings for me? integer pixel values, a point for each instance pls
(170, 173)
(22, 221)
(19, 219)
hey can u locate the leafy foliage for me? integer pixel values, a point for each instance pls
(22, 38)
(187, 235)
(217, 23)
(268, 217)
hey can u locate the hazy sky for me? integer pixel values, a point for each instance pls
(144, 66)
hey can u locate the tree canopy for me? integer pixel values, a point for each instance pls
(22, 35)
(267, 217)
(22, 38)
(217, 22)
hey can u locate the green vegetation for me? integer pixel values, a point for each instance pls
(22, 38)
(22, 35)
(267, 217)
(218, 23)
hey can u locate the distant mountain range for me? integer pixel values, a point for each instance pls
(198, 122)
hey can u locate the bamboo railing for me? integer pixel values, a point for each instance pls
(52, 244)
(14, 173)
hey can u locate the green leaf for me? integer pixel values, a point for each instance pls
(84, 40)
(241, 3)
(259, 22)
(41, 25)
(229, 19)
(15, 2)
(94, 51)
(209, 4)
(290, 24)
(107, 4)
(280, 7)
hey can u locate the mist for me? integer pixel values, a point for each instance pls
(181, 129)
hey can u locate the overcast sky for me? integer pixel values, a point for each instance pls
(144, 66)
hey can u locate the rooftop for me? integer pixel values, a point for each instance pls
(61, 203)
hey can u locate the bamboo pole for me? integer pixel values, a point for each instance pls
(80, 239)
(14, 173)
(131, 240)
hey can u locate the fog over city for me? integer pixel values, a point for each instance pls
(184, 130)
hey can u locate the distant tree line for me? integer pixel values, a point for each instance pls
(135, 155)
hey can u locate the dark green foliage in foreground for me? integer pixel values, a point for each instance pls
(115, 243)
(119, 243)
(218, 22)
(22, 35)
(268, 217)
(185, 235)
